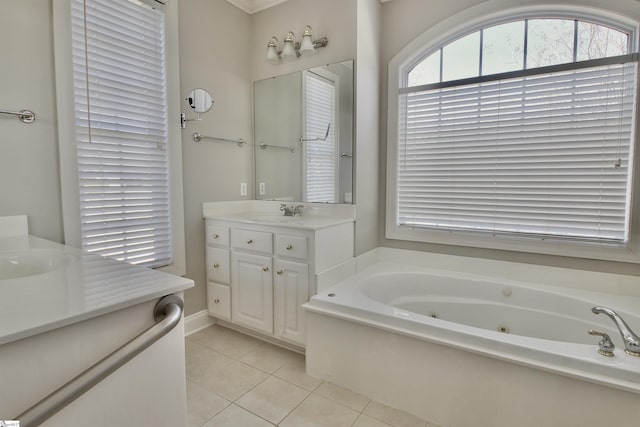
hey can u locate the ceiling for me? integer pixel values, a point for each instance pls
(253, 6)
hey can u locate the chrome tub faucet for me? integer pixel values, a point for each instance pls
(631, 340)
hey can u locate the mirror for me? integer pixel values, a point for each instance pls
(303, 125)
(199, 100)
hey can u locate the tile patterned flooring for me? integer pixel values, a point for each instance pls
(234, 380)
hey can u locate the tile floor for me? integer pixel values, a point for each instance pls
(238, 381)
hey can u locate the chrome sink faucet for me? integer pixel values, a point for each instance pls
(291, 210)
(631, 340)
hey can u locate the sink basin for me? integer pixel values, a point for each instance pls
(275, 218)
(31, 263)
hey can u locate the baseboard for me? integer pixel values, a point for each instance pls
(197, 321)
(261, 337)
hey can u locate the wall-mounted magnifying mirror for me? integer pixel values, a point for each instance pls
(199, 100)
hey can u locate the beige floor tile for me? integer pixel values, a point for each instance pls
(232, 380)
(343, 396)
(294, 372)
(268, 357)
(234, 416)
(273, 399)
(392, 416)
(226, 341)
(199, 360)
(366, 421)
(202, 405)
(316, 411)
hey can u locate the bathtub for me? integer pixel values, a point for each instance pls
(459, 343)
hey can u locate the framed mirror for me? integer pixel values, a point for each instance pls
(303, 125)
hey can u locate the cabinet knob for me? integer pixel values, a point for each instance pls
(289, 247)
(265, 269)
(215, 236)
(216, 265)
(217, 300)
(279, 272)
(249, 242)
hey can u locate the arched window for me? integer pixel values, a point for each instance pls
(518, 135)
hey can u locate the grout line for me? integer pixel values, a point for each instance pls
(296, 407)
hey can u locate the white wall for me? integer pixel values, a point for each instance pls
(403, 21)
(29, 173)
(214, 36)
(369, 37)
(335, 19)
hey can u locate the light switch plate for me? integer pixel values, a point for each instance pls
(243, 188)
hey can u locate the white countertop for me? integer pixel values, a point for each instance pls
(315, 216)
(82, 287)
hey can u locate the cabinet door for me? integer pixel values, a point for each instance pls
(291, 290)
(252, 291)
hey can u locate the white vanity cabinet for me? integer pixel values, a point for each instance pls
(260, 274)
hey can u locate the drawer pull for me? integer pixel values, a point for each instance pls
(249, 242)
(216, 265)
(217, 300)
(265, 269)
(215, 236)
(280, 272)
(289, 247)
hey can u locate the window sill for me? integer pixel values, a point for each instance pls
(606, 252)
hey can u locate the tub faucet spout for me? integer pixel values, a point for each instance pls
(631, 340)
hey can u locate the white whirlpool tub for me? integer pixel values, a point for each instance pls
(468, 342)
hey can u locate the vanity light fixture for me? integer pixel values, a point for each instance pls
(292, 49)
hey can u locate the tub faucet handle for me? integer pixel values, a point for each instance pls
(630, 339)
(606, 345)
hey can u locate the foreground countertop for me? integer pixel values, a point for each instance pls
(81, 286)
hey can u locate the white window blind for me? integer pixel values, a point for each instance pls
(545, 155)
(121, 126)
(321, 156)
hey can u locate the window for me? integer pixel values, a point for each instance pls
(320, 144)
(121, 138)
(519, 136)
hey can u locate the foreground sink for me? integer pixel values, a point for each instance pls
(30, 263)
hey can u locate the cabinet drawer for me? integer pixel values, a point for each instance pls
(218, 265)
(217, 236)
(288, 246)
(219, 300)
(254, 241)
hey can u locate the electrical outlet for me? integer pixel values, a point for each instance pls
(243, 188)
(263, 189)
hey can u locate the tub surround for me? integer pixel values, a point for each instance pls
(432, 367)
(79, 287)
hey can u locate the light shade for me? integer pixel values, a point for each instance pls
(288, 49)
(307, 44)
(272, 50)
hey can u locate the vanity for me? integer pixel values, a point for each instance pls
(62, 310)
(262, 266)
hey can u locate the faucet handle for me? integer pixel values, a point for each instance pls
(606, 345)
